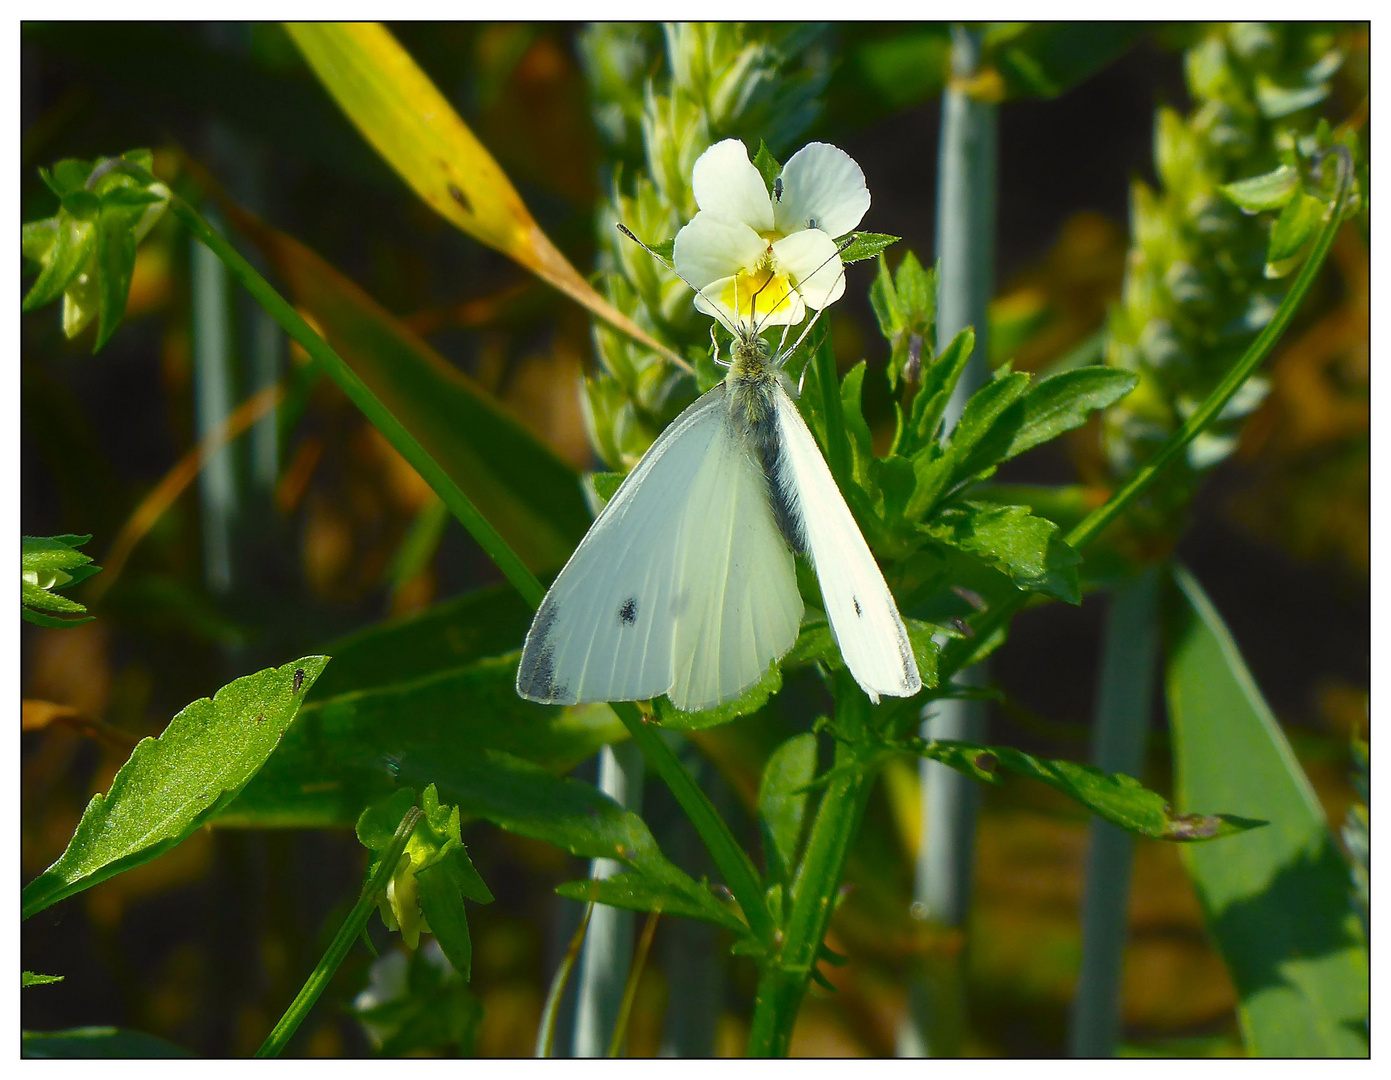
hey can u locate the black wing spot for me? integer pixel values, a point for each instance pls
(858, 610)
(628, 612)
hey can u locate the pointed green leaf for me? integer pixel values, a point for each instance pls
(1269, 191)
(767, 166)
(115, 235)
(174, 784)
(1064, 402)
(1026, 547)
(1277, 900)
(866, 245)
(30, 979)
(1292, 231)
(1121, 800)
(636, 892)
(73, 240)
(782, 803)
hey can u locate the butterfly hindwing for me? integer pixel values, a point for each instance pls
(682, 586)
(863, 616)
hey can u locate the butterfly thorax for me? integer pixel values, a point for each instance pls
(752, 389)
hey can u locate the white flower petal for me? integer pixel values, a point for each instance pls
(718, 297)
(822, 188)
(708, 248)
(727, 185)
(810, 259)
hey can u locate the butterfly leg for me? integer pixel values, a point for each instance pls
(715, 348)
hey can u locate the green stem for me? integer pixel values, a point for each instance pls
(1090, 527)
(545, 1036)
(1129, 652)
(783, 981)
(342, 941)
(370, 405)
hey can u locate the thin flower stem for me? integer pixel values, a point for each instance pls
(630, 989)
(545, 1036)
(342, 941)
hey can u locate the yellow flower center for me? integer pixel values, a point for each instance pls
(756, 293)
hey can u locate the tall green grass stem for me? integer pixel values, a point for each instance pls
(1130, 649)
(950, 801)
(342, 941)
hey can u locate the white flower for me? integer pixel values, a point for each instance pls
(761, 260)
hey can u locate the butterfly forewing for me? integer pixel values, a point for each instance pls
(861, 610)
(682, 586)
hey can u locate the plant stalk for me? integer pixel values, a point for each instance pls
(950, 801)
(1125, 688)
(342, 941)
(783, 981)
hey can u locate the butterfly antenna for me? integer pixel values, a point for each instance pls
(668, 264)
(826, 262)
(839, 248)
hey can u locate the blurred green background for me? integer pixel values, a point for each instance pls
(205, 945)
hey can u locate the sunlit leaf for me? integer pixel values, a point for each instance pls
(1277, 901)
(412, 125)
(172, 785)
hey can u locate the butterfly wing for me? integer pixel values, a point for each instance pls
(682, 586)
(864, 618)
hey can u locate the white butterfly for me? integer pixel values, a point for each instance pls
(685, 584)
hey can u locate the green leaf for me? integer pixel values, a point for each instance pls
(782, 803)
(750, 701)
(30, 979)
(569, 814)
(1064, 402)
(441, 669)
(1121, 800)
(866, 245)
(1292, 231)
(768, 167)
(63, 245)
(96, 1042)
(1269, 191)
(1277, 900)
(636, 892)
(1026, 547)
(174, 784)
